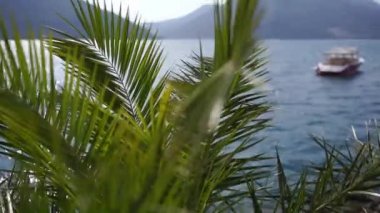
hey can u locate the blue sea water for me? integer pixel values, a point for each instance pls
(305, 104)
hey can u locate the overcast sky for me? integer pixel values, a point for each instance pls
(157, 10)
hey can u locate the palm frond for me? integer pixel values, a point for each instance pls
(123, 55)
(347, 181)
(108, 140)
(242, 113)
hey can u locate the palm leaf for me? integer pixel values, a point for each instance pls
(242, 113)
(107, 139)
(122, 54)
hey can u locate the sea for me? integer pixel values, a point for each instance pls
(303, 104)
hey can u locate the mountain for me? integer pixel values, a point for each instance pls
(283, 19)
(38, 14)
(290, 19)
(198, 24)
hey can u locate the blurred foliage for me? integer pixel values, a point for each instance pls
(347, 181)
(116, 137)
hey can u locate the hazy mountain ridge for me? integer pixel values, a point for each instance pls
(290, 19)
(188, 26)
(38, 15)
(284, 19)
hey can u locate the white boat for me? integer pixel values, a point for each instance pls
(340, 61)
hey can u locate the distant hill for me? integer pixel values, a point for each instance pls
(290, 19)
(284, 19)
(37, 14)
(197, 24)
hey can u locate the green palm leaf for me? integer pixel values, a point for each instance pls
(122, 54)
(107, 138)
(244, 106)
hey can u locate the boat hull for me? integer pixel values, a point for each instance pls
(348, 70)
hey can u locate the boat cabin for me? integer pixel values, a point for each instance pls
(342, 56)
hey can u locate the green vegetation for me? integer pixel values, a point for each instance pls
(348, 180)
(114, 137)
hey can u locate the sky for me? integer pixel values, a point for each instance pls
(158, 10)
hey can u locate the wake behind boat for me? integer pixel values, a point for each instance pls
(340, 61)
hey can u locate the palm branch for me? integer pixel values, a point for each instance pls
(121, 54)
(242, 113)
(107, 139)
(347, 180)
